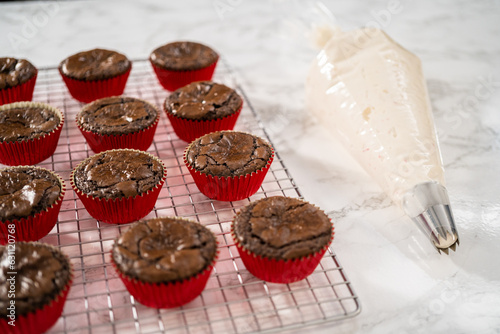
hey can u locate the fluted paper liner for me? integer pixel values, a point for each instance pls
(172, 80)
(190, 129)
(22, 92)
(37, 226)
(42, 319)
(120, 210)
(167, 294)
(30, 151)
(275, 270)
(89, 90)
(230, 188)
(139, 140)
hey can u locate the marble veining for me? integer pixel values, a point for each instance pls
(404, 285)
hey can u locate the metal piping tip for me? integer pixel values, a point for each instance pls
(454, 246)
(448, 242)
(451, 240)
(429, 207)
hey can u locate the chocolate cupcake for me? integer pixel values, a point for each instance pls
(228, 165)
(94, 74)
(118, 122)
(165, 262)
(17, 80)
(29, 132)
(30, 200)
(281, 239)
(34, 282)
(180, 63)
(202, 107)
(119, 186)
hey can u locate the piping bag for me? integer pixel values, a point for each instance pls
(371, 93)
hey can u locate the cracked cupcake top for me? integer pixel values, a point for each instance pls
(116, 115)
(118, 173)
(164, 250)
(282, 228)
(228, 153)
(42, 272)
(26, 191)
(96, 64)
(182, 56)
(26, 122)
(15, 72)
(203, 100)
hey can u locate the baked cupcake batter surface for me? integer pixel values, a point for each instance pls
(15, 72)
(118, 173)
(183, 56)
(25, 191)
(17, 124)
(228, 153)
(117, 115)
(41, 274)
(96, 64)
(164, 249)
(282, 228)
(203, 100)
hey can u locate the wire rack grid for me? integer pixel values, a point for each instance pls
(233, 301)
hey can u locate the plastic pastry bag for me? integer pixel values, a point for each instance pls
(371, 92)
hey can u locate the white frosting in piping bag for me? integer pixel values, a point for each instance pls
(371, 92)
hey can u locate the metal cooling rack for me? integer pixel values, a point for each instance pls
(234, 301)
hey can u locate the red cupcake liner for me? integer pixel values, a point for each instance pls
(88, 91)
(120, 210)
(166, 295)
(22, 92)
(189, 129)
(34, 227)
(279, 271)
(140, 140)
(172, 80)
(32, 151)
(41, 320)
(229, 188)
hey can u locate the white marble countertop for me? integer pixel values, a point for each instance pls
(404, 285)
